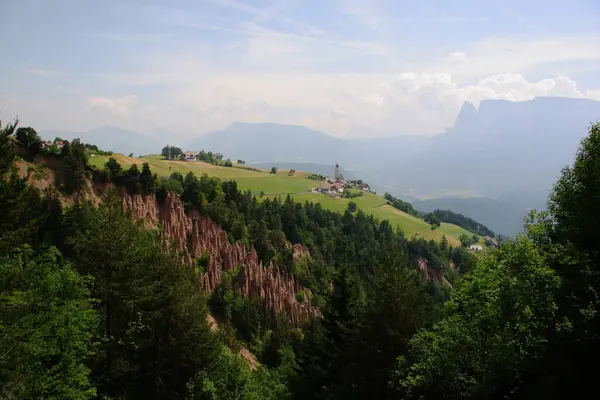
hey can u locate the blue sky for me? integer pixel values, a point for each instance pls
(349, 68)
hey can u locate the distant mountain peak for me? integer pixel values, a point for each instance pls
(467, 115)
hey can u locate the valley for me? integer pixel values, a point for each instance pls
(487, 165)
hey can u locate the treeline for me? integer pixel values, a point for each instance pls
(349, 194)
(436, 217)
(135, 181)
(460, 220)
(316, 177)
(175, 153)
(93, 149)
(401, 205)
(171, 153)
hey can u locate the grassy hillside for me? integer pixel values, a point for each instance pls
(377, 206)
(246, 179)
(299, 187)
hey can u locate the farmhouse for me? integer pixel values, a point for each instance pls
(338, 186)
(324, 187)
(49, 143)
(476, 248)
(190, 156)
(218, 156)
(364, 186)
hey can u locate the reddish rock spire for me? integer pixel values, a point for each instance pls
(195, 234)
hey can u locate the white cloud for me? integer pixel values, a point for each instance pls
(455, 58)
(514, 54)
(274, 68)
(381, 104)
(117, 105)
(339, 104)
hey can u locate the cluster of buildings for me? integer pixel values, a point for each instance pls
(335, 187)
(476, 248)
(489, 241)
(189, 155)
(49, 143)
(192, 156)
(332, 188)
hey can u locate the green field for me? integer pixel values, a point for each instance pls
(376, 206)
(246, 179)
(365, 202)
(299, 187)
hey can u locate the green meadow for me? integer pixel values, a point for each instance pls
(298, 186)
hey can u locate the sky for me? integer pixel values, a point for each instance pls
(350, 68)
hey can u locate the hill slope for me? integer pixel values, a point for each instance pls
(299, 187)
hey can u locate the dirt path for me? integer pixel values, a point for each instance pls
(377, 206)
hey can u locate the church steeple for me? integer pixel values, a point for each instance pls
(337, 174)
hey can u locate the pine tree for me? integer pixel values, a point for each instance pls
(341, 326)
(147, 179)
(398, 305)
(47, 328)
(153, 312)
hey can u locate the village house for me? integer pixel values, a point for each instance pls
(324, 187)
(190, 156)
(218, 156)
(476, 248)
(338, 186)
(364, 186)
(49, 143)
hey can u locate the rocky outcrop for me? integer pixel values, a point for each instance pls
(141, 208)
(300, 251)
(194, 234)
(430, 272)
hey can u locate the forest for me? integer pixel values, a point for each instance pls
(460, 220)
(94, 304)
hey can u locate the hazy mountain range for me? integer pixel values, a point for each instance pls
(494, 164)
(501, 146)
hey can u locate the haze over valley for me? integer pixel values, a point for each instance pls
(494, 164)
